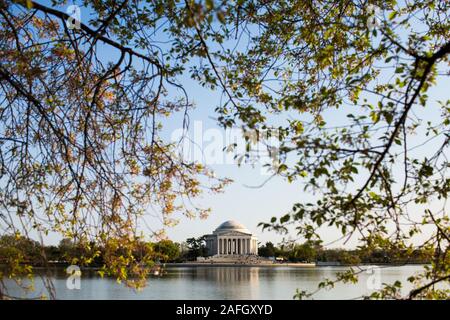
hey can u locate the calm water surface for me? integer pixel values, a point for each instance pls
(226, 283)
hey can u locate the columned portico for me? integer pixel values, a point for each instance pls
(231, 238)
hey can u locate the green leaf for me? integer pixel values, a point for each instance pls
(209, 4)
(221, 17)
(392, 15)
(375, 116)
(389, 117)
(29, 4)
(399, 69)
(285, 218)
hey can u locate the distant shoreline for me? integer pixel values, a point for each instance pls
(287, 264)
(231, 264)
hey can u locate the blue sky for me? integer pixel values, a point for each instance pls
(276, 197)
(239, 201)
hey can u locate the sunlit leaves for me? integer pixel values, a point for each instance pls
(374, 69)
(81, 149)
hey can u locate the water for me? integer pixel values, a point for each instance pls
(233, 282)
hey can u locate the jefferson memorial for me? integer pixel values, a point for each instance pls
(231, 238)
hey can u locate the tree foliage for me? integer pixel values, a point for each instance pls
(196, 248)
(167, 250)
(81, 150)
(81, 116)
(348, 88)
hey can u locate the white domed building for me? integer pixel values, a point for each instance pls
(231, 238)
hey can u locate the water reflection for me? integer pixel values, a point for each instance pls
(218, 274)
(217, 282)
(208, 282)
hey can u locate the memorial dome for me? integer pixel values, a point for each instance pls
(232, 225)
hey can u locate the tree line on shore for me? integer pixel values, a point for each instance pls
(311, 251)
(67, 252)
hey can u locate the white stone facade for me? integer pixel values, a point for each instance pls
(231, 238)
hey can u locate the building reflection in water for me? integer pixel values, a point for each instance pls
(232, 282)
